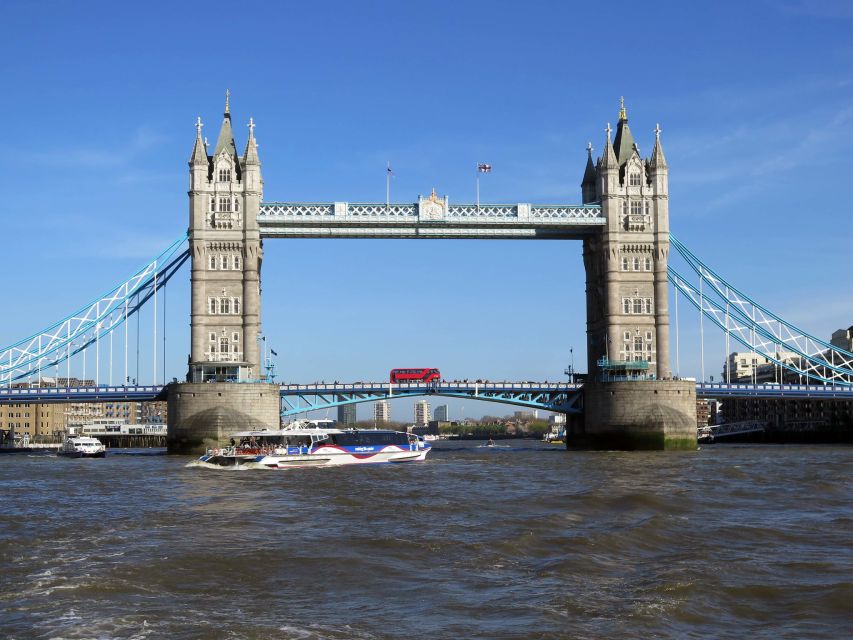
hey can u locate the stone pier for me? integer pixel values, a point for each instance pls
(203, 415)
(636, 414)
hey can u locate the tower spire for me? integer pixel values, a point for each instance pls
(608, 157)
(227, 107)
(657, 161)
(251, 155)
(199, 155)
(623, 145)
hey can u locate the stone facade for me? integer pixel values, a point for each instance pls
(226, 253)
(636, 414)
(626, 264)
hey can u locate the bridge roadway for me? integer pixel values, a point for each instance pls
(296, 397)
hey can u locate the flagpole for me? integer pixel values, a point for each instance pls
(388, 187)
(478, 187)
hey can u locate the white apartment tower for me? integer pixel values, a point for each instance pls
(381, 412)
(422, 414)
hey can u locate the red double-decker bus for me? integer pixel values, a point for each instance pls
(415, 375)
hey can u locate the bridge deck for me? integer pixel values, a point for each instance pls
(428, 218)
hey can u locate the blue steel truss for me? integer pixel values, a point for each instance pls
(549, 396)
(759, 329)
(74, 333)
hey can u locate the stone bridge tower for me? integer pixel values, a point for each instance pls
(226, 253)
(626, 265)
(631, 400)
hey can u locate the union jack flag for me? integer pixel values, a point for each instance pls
(484, 168)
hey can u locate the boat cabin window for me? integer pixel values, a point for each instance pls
(360, 438)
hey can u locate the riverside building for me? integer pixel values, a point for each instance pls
(382, 412)
(422, 414)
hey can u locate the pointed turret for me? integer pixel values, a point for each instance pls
(225, 141)
(657, 161)
(199, 156)
(589, 176)
(624, 144)
(608, 157)
(251, 155)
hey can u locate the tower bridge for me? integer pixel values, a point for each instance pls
(622, 221)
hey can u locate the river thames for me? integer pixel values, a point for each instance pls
(515, 541)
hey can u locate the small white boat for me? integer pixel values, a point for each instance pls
(309, 447)
(82, 447)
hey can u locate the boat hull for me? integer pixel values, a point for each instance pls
(326, 456)
(81, 454)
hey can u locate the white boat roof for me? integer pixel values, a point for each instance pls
(84, 440)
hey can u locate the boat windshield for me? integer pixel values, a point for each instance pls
(356, 438)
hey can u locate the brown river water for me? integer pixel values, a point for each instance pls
(514, 541)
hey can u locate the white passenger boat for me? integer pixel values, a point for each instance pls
(82, 447)
(318, 447)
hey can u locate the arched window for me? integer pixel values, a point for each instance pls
(636, 208)
(236, 204)
(223, 262)
(224, 305)
(634, 179)
(213, 262)
(624, 264)
(648, 305)
(211, 304)
(638, 348)
(224, 203)
(638, 305)
(223, 344)
(235, 337)
(213, 203)
(225, 175)
(648, 265)
(636, 264)
(626, 305)
(236, 305)
(236, 261)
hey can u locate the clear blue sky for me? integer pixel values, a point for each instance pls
(755, 100)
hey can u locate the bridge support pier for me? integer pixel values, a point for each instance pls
(203, 415)
(636, 414)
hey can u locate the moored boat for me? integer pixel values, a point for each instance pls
(82, 447)
(300, 447)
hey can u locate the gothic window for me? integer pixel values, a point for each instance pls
(626, 305)
(213, 203)
(235, 337)
(213, 262)
(648, 264)
(236, 261)
(236, 204)
(636, 264)
(223, 262)
(223, 344)
(224, 204)
(648, 305)
(624, 264)
(225, 175)
(627, 335)
(647, 207)
(211, 303)
(636, 208)
(624, 208)
(634, 179)
(236, 305)
(638, 347)
(638, 305)
(224, 305)
(648, 335)
(212, 337)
